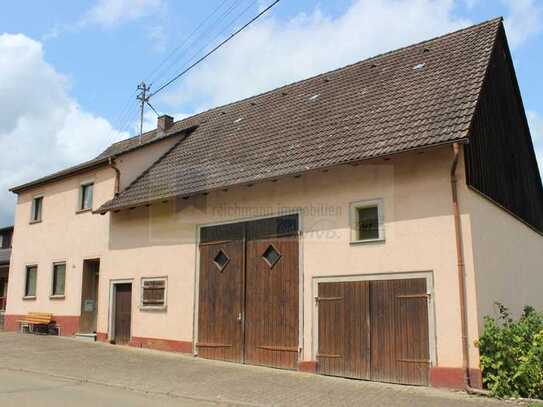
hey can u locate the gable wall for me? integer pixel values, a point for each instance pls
(500, 158)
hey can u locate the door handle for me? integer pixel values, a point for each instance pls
(240, 317)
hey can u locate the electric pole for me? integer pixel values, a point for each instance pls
(143, 97)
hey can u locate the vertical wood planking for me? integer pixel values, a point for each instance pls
(219, 330)
(123, 313)
(271, 313)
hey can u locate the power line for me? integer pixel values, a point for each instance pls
(214, 49)
(214, 38)
(180, 46)
(173, 65)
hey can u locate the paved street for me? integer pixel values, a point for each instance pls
(47, 371)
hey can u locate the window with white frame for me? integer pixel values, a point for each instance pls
(59, 279)
(31, 280)
(36, 210)
(153, 293)
(367, 221)
(85, 196)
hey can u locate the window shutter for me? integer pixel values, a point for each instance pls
(153, 292)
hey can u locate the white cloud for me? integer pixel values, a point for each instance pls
(274, 52)
(536, 128)
(42, 127)
(525, 19)
(112, 12)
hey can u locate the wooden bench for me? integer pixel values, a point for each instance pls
(35, 319)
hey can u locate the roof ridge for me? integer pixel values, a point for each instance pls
(345, 67)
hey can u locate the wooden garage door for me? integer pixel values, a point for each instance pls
(376, 330)
(248, 312)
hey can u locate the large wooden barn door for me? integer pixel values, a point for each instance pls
(271, 324)
(344, 340)
(248, 292)
(221, 295)
(375, 330)
(399, 338)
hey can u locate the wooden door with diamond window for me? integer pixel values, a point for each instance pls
(248, 292)
(220, 300)
(271, 321)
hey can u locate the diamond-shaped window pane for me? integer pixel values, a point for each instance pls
(271, 256)
(221, 260)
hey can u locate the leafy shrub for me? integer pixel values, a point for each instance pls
(512, 354)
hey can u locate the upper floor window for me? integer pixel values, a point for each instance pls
(59, 279)
(153, 293)
(85, 196)
(367, 221)
(30, 281)
(36, 211)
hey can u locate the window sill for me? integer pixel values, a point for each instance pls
(57, 297)
(29, 297)
(80, 211)
(367, 241)
(153, 309)
(33, 222)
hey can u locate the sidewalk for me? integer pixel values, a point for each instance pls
(197, 380)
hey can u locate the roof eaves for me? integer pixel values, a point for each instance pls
(111, 206)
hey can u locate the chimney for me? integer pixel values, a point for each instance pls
(164, 122)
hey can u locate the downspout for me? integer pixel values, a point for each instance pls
(461, 269)
(111, 162)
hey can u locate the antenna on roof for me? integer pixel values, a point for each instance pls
(143, 97)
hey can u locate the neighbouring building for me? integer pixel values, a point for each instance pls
(5, 255)
(360, 223)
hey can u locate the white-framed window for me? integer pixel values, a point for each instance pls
(86, 191)
(31, 279)
(154, 293)
(36, 209)
(367, 221)
(58, 287)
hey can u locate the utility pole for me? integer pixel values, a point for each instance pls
(143, 97)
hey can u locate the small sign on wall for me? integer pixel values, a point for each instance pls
(89, 306)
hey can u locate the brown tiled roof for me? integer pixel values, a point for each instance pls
(415, 97)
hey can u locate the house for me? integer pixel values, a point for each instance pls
(5, 255)
(360, 223)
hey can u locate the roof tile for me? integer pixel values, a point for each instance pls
(376, 107)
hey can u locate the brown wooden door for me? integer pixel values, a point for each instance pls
(344, 332)
(220, 301)
(375, 330)
(271, 316)
(399, 325)
(123, 312)
(248, 310)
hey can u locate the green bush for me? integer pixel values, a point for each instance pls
(512, 354)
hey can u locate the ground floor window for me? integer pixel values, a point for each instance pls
(153, 293)
(31, 279)
(59, 279)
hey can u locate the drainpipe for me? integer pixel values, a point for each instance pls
(111, 162)
(461, 269)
